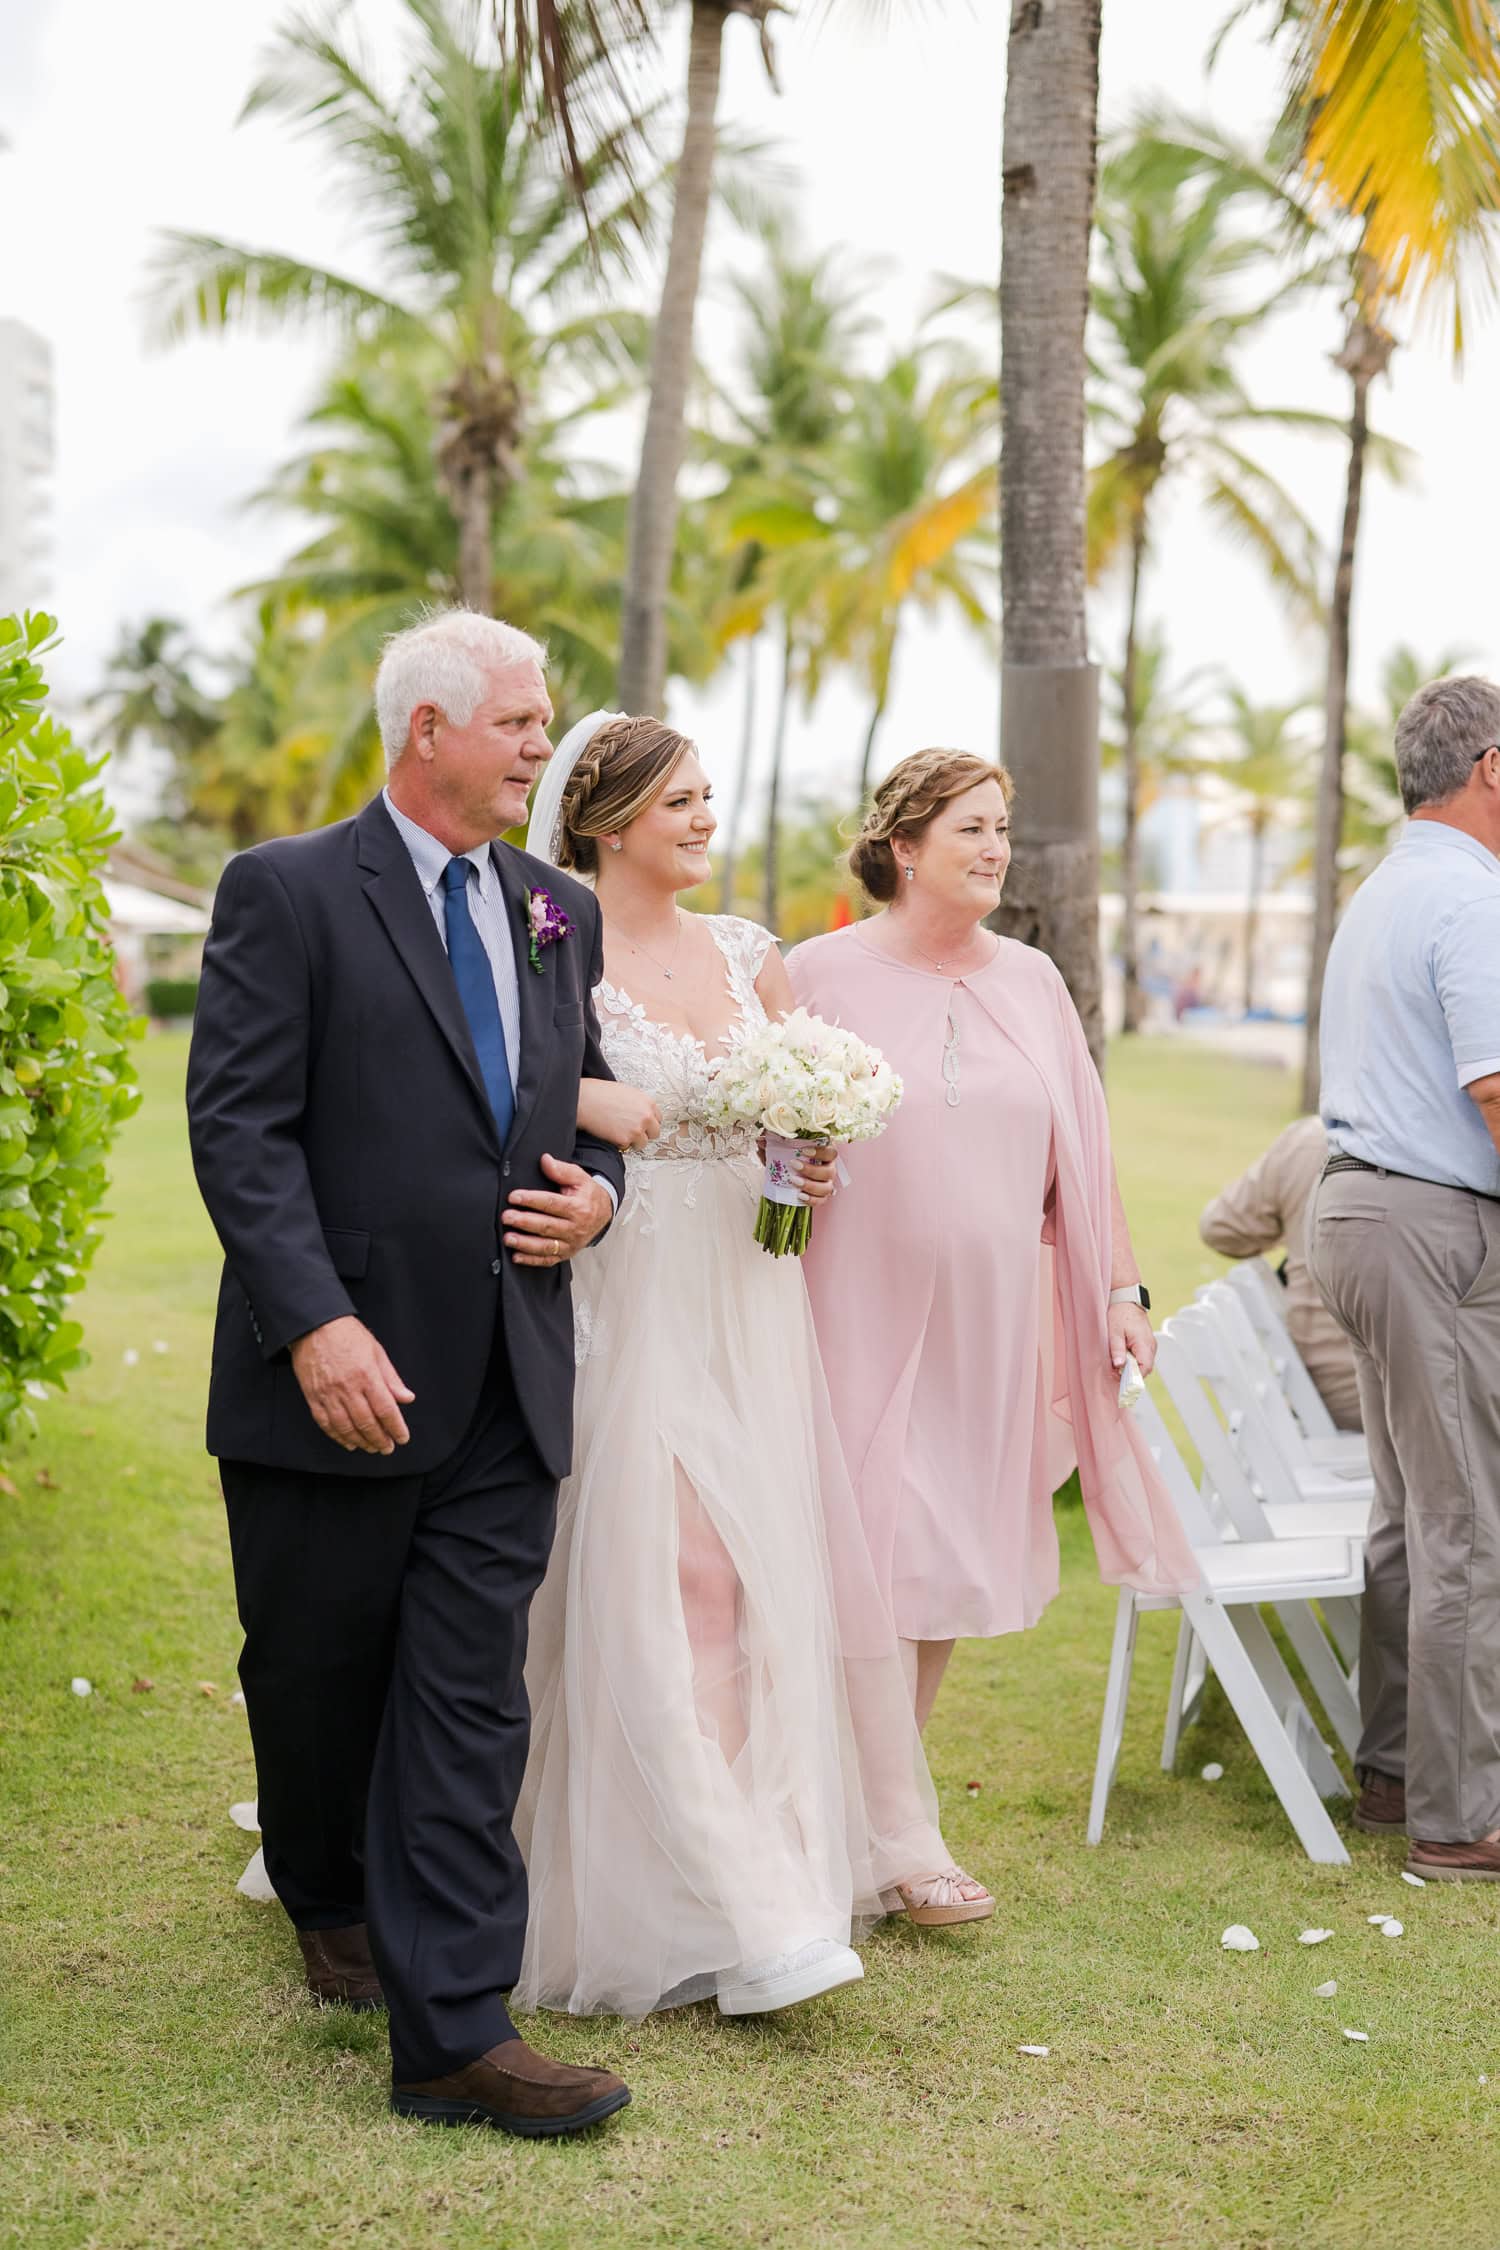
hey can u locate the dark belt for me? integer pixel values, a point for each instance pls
(1342, 1163)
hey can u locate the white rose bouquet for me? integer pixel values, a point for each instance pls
(802, 1083)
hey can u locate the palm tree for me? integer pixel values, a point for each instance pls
(1386, 164)
(152, 690)
(385, 544)
(1269, 766)
(1049, 693)
(1169, 724)
(803, 321)
(912, 525)
(1171, 307)
(653, 505)
(486, 254)
(1373, 811)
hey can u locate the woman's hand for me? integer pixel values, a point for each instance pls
(1130, 1331)
(816, 1169)
(625, 1115)
(816, 1172)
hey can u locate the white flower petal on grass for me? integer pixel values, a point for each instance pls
(1417, 1882)
(37, 1390)
(246, 1816)
(131, 1357)
(159, 1345)
(1326, 1991)
(1237, 1939)
(1392, 1928)
(1213, 1773)
(1314, 1937)
(238, 1699)
(1484, 2078)
(1375, 1920)
(81, 1686)
(1033, 2050)
(1361, 2038)
(256, 1883)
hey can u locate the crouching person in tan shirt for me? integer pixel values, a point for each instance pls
(1266, 1205)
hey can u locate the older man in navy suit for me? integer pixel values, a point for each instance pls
(393, 1023)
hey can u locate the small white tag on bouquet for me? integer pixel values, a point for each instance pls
(783, 1161)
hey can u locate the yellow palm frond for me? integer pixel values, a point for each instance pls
(1401, 100)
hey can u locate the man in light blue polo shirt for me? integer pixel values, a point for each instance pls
(1404, 1243)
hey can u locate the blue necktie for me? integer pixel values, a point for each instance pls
(476, 989)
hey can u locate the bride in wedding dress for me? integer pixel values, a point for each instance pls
(725, 1779)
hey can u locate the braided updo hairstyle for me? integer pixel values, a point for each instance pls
(623, 769)
(906, 804)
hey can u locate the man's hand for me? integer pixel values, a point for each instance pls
(544, 1229)
(1130, 1331)
(1486, 1093)
(353, 1393)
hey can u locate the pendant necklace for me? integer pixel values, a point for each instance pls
(651, 957)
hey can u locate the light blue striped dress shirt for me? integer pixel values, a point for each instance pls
(1411, 1011)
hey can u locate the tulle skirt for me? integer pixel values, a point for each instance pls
(724, 1762)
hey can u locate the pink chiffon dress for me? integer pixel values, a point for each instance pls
(959, 1287)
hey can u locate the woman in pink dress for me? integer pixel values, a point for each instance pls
(974, 1288)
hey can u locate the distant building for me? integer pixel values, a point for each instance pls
(25, 467)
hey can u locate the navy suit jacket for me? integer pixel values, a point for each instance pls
(348, 1155)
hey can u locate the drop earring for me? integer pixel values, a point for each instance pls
(911, 874)
(615, 845)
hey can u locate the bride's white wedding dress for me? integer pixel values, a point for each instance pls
(724, 1763)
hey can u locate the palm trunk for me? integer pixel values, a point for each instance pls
(770, 900)
(742, 782)
(1049, 699)
(1130, 837)
(653, 505)
(476, 541)
(1252, 905)
(1365, 355)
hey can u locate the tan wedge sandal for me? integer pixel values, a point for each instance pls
(935, 1901)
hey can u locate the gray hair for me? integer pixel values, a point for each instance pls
(1440, 736)
(445, 660)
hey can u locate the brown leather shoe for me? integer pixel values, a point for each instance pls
(518, 2091)
(340, 1968)
(1381, 1810)
(1454, 1863)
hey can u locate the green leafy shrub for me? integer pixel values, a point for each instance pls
(171, 996)
(65, 1078)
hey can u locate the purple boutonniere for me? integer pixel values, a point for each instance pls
(546, 923)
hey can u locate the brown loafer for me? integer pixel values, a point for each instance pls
(1454, 1863)
(340, 1968)
(517, 2091)
(1381, 1810)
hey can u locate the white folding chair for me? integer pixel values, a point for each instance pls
(1319, 1464)
(1186, 1348)
(1254, 1282)
(1223, 1618)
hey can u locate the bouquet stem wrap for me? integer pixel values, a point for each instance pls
(783, 1224)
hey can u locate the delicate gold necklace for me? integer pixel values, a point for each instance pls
(936, 964)
(636, 947)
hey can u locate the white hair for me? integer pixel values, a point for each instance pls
(445, 660)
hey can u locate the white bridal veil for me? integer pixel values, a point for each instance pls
(544, 831)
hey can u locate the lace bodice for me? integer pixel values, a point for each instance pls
(672, 1066)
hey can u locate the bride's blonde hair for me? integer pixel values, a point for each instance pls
(623, 770)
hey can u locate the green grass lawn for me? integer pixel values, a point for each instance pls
(165, 2083)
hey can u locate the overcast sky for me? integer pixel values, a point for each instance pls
(120, 121)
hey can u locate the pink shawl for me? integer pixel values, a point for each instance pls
(1137, 1534)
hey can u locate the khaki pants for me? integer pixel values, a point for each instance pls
(1412, 1272)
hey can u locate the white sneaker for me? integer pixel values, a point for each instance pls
(785, 1978)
